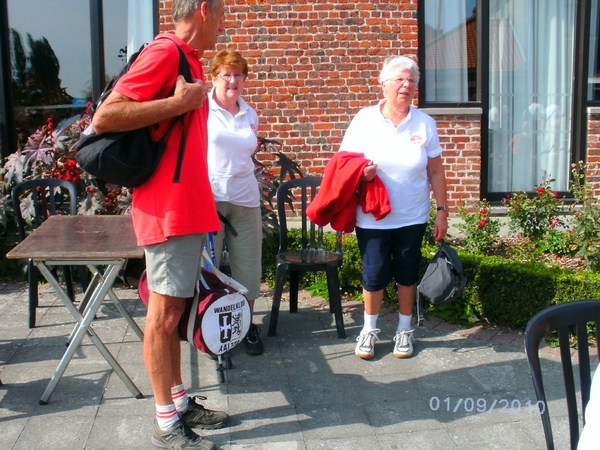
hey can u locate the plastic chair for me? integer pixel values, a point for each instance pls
(311, 258)
(48, 197)
(563, 318)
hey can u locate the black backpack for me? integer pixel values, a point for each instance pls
(443, 281)
(127, 158)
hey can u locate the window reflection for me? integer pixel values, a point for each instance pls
(450, 50)
(51, 57)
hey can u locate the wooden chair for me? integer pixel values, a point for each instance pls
(310, 258)
(563, 318)
(48, 197)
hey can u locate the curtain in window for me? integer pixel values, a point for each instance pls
(531, 68)
(446, 50)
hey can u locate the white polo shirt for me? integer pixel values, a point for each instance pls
(231, 142)
(401, 154)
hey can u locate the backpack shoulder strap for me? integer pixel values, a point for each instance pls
(184, 69)
(111, 84)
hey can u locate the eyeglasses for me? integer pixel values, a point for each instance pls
(228, 76)
(400, 81)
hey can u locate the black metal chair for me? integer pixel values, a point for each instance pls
(563, 318)
(48, 197)
(310, 258)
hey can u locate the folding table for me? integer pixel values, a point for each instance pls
(101, 243)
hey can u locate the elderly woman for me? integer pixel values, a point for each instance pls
(403, 147)
(232, 129)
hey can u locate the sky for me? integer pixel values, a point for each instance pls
(66, 25)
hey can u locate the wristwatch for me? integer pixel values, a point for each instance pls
(442, 208)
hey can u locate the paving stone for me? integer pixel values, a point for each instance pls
(308, 390)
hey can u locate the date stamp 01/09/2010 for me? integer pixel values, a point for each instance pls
(482, 405)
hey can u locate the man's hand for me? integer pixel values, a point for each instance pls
(120, 113)
(190, 95)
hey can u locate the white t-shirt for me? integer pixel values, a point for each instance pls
(231, 142)
(401, 154)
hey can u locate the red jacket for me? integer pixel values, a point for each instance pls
(342, 191)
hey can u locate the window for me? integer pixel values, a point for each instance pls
(450, 35)
(526, 68)
(530, 91)
(50, 55)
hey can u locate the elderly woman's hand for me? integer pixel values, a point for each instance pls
(440, 226)
(369, 172)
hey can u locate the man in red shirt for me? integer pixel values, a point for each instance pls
(171, 219)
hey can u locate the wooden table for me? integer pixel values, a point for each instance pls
(95, 242)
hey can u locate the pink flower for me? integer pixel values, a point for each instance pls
(482, 223)
(540, 190)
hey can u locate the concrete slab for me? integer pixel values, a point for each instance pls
(308, 391)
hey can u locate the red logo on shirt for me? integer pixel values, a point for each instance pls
(254, 128)
(416, 139)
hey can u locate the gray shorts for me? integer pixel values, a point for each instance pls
(174, 266)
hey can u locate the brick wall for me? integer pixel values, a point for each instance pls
(314, 64)
(593, 153)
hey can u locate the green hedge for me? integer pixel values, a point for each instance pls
(499, 291)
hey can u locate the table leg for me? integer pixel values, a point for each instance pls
(117, 302)
(83, 327)
(114, 364)
(84, 302)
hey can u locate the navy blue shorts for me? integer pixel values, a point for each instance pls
(390, 254)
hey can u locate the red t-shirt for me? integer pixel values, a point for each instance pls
(160, 207)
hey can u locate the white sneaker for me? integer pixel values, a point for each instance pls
(403, 347)
(365, 348)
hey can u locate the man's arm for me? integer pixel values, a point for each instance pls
(121, 113)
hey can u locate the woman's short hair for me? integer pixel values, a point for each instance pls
(398, 63)
(228, 58)
(185, 8)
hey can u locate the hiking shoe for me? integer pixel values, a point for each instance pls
(179, 437)
(403, 347)
(365, 348)
(197, 416)
(252, 342)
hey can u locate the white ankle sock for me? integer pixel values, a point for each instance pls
(370, 322)
(166, 416)
(404, 322)
(180, 398)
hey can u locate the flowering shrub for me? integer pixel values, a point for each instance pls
(50, 153)
(533, 217)
(586, 218)
(480, 229)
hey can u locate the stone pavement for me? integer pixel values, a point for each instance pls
(462, 389)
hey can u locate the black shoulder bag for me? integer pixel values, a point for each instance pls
(443, 281)
(128, 158)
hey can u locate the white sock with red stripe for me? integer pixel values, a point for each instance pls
(166, 416)
(180, 398)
